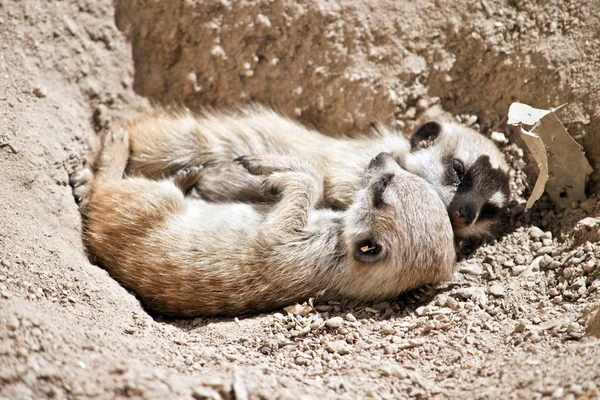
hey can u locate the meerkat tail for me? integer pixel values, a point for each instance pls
(163, 143)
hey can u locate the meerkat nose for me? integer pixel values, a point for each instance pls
(463, 217)
(380, 159)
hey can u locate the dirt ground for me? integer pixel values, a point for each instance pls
(516, 322)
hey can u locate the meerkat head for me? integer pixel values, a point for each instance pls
(468, 172)
(397, 232)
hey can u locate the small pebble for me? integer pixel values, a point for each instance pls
(471, 269)
(422, 104)
(544, 250)
(334, 322)
(535, 232)
(521, 326)
(279, 316)
(474, 293)
(339, 347)
(40, 91)
(350, 318)
(498, 137)
(388, 330)
(497, 290)
(394, 370)
(390, 349)
(301, 361)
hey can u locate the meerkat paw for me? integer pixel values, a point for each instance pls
(81, 181)
(273, 185)
(261, 164)
(186, 178)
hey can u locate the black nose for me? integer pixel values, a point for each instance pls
(463, 216)
(380, 159)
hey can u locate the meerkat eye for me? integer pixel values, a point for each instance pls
(489, 211)
(459, 169)
(368, 251)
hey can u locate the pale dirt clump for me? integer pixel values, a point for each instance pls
(519, 318)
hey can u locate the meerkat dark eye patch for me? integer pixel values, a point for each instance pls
(379, 190)
(368, 251)
(459, 169)
(489, 211)
(425, 136)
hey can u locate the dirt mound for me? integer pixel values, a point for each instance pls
(511, 324)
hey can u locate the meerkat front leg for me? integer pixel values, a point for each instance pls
(297, 183)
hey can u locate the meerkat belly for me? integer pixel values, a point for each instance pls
(217, 218)
(321, 219)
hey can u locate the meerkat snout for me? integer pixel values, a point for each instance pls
(467, 171)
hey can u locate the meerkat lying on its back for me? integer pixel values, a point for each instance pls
(189, 257)
(466, 169)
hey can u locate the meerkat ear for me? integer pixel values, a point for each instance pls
(425, 136)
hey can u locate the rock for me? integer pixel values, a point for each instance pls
(498, 137)
(473, 293)
(279, 316)
(394, 370)
(471, 269)
(544, 250)
(521, 326)
(535, 246)
(301, 361)
(411, 343)
(470, 120)
(334, 323)
(519, 269)
(593, 328)
(390, 349)
(422, 104)
(588, 222)
(40, 91)
(339, 347)
(413, 65)
(535, 232)
(388, 330)
(452, 303)
(350, 318)
(545, 261)
(497, 290)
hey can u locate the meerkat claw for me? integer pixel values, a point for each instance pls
(186, 178)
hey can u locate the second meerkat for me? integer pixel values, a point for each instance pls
(466, 169)
(190, 257)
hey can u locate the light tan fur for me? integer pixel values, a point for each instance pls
(164, 142)
(189, 257)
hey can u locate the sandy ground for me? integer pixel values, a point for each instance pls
(517, 320)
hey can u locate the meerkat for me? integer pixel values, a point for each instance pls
(465, 168)
(188, 257)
